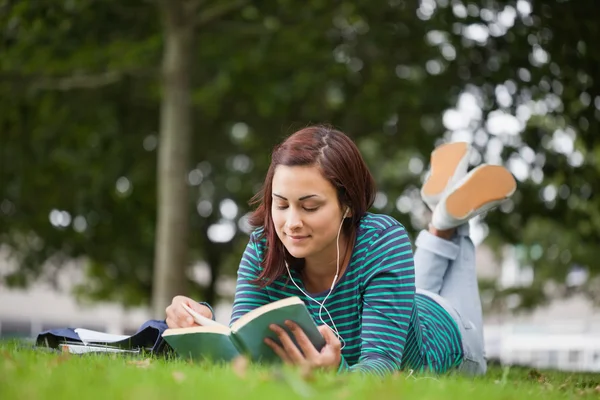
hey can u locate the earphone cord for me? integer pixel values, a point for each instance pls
(322, 304)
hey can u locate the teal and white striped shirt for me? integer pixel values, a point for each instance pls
(385, 325)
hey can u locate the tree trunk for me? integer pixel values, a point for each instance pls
(171, 243)
(214, 256)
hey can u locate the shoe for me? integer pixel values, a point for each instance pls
(449, 163)
(482, 189)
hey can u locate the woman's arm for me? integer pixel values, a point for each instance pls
(248, 295)
(388, 299)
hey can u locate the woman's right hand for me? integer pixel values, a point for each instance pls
(178, 317)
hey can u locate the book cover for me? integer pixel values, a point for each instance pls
(209, 343)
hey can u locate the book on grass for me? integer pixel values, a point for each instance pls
(89, 336)
(246, 336)
(96, 342)
(78, 348)
(80, 340)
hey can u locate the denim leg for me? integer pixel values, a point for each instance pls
(460, 288)
(432, 258)
(445, 270)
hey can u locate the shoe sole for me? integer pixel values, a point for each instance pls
(444, 161)
(487, 184)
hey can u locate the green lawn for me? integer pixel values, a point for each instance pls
(36, 374)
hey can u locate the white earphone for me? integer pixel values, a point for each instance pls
(337, 272)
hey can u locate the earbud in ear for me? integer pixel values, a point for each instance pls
(346, 212)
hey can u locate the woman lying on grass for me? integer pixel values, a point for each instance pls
(381, 310)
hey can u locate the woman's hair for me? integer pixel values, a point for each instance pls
(340, 162)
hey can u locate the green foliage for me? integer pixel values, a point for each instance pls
(547, 63)
(79, 96)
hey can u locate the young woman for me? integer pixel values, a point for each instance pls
(379, 309)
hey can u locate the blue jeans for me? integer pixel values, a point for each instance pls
(445, 271)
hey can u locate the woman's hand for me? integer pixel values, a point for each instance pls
(306, 356)
(178, 317)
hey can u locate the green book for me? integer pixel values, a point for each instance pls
(245, 336)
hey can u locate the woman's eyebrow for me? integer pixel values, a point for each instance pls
(300, 199)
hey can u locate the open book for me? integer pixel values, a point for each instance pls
(246, 336)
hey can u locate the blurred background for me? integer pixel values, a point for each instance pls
(133, 134)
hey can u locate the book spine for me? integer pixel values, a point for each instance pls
(238, 343)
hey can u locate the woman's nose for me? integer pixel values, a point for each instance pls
(294, 221)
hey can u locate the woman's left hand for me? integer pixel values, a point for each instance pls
(306, 356)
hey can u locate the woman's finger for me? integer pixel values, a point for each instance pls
(286, 342)
(183, 318)
(330, 337)
(305, 344)
(278, 350)
(172, 319)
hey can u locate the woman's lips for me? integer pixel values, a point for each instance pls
(297, 238)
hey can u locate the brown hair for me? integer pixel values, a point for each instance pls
(340, 162)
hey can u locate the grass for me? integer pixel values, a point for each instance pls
(27, 373)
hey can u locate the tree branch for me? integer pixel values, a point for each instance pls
(219, 11)
(74, 81)
(78, 81)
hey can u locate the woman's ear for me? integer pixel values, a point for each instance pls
(347, 213)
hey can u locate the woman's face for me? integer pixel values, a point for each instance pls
(306, 212)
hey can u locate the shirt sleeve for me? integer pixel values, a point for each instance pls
(388, 300)
(248, 295)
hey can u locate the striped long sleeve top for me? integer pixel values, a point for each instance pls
(385, 325)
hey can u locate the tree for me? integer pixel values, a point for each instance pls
(171, 244)
(180, 20)
(388, 78)
(237, 97)
(535, 77)
(70, 106)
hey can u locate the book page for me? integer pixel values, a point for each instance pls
(244, 319)
(221, 329)
(88, 336)
(200, 319)
(83, 349)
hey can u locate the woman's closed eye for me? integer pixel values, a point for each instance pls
(307, 209)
